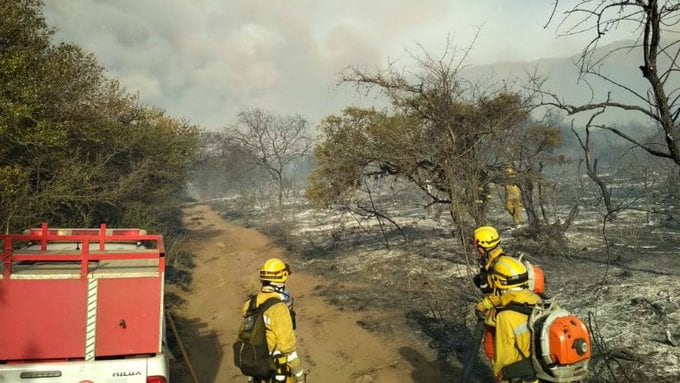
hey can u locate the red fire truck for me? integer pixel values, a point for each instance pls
(82, 305)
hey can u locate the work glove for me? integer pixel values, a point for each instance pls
(482, 283)
(477, 279)
(281, 373)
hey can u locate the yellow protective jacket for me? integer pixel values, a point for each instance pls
(512, 332)
(513, 203)
(279, 330)
(493, 301)
(512, 191)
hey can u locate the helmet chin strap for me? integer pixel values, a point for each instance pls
(278, 287)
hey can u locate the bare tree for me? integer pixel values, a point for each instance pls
(273, 142)
(659, 53)
(591, 164)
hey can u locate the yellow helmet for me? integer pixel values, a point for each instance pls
(274, 271)
(508, 272)
(486, 237)
(509, 171)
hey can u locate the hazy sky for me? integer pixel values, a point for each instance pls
(206, 60)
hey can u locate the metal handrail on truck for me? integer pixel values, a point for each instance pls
(83, 252)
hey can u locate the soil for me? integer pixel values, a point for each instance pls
(332, 342)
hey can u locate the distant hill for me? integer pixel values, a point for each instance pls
(563, 77)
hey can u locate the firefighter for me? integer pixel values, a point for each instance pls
(279, 323)
(513, 197)
(487, 242)
(511, 361)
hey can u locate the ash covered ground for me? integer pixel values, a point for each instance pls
(415, 279)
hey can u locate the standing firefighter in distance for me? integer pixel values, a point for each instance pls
(279, 325)
(513, 197)
(511, 361)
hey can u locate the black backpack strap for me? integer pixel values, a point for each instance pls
(265, 305)
(522, 308)
(252, 306)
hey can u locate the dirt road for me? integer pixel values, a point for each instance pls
(334, 348)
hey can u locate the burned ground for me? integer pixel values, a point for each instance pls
(625, 284)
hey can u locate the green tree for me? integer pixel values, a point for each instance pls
(434, 135)
(77, 149)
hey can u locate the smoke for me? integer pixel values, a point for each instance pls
(207, 60)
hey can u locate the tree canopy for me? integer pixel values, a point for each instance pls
(78, 149)
(441, 133)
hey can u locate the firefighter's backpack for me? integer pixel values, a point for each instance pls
(251, 355)
(560, 342)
